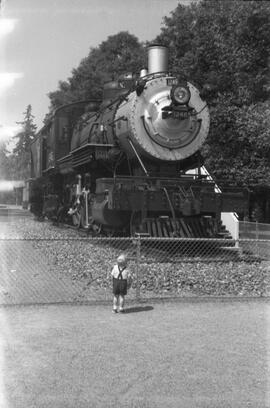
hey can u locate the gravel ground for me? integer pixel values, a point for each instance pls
(87, 262)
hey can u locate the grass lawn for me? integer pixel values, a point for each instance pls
(173, 355)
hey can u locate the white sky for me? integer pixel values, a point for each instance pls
(42, 41)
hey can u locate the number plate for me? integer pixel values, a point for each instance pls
(101, 154)
(172, 81)
(179, 115)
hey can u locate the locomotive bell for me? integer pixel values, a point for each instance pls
(157, 59)
(143, 72)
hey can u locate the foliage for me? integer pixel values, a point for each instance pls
(226, 46)
(223, 43)
(7, 164)
(238, 146)
(21, 153)
(3, 161)
(119, 54)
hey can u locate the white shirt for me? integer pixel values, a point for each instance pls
(125, 273)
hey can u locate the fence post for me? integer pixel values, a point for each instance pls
(257, 237)
(138, 259)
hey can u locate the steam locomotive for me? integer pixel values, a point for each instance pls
(131, 162)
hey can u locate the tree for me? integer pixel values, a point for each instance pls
(241, 153)
(223, 46)
(223, 43)
(3, 161)
(21, 152)
(120, 53)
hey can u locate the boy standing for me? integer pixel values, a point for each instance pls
(121, 280)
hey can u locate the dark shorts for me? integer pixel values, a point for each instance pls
(119, 287)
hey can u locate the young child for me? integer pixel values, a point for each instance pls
(121, 282)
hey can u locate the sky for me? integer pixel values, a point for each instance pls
(42, 41)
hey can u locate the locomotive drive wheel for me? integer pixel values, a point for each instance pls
(83, 222)
(96, 228)
(76, 219)
(79, 217)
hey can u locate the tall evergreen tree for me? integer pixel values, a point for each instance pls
(21, 151)
(3, 161)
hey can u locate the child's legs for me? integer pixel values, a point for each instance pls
(121, 301)
(115, 301)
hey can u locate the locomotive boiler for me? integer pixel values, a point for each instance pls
(131, 162)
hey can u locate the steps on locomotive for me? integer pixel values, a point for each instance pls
(192, 227)
(223, 232)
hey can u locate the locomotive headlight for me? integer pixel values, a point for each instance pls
(180, 94)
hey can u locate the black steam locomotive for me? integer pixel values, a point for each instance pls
(131, 163)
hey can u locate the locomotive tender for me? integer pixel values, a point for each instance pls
(122, 165)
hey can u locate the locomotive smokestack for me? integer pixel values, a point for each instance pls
(157, 58)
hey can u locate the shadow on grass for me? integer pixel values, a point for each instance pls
(138, 309)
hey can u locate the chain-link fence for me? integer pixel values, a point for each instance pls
(78, 269)
(12, 216)
(254, 230)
